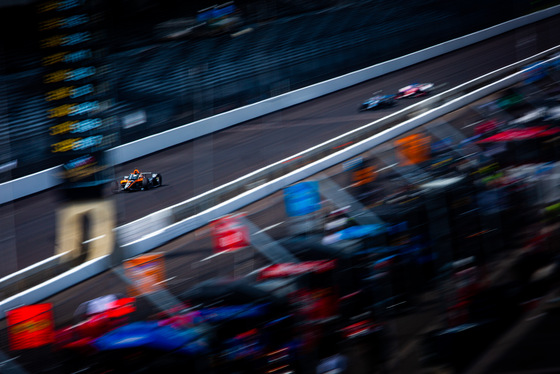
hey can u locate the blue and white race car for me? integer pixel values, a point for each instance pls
(378, 101)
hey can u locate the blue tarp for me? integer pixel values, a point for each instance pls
(357, 232)
(231, 312)
(152, 335)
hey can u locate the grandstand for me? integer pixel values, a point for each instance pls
(178, 81)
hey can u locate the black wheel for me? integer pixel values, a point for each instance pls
(145, 183)
(158, 180)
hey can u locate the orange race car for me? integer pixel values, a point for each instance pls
(138, 181)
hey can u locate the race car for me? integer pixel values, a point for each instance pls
(414, 90)
(378, 101)
(139, 181)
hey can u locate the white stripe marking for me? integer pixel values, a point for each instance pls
(388, 167)
(93, 239)
(165, 280)
(269, 227)
(214, 255)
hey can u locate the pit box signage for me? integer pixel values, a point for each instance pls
(302, 198)
(230, 234)
(413, 149)
(146, 273)
(30, 326)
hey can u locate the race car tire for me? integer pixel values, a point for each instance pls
(158, 180)
(145, 184)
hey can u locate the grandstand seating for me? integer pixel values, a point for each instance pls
(192, 78)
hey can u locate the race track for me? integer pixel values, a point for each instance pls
(199, 165)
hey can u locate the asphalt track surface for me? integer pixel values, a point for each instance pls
(28, 225)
